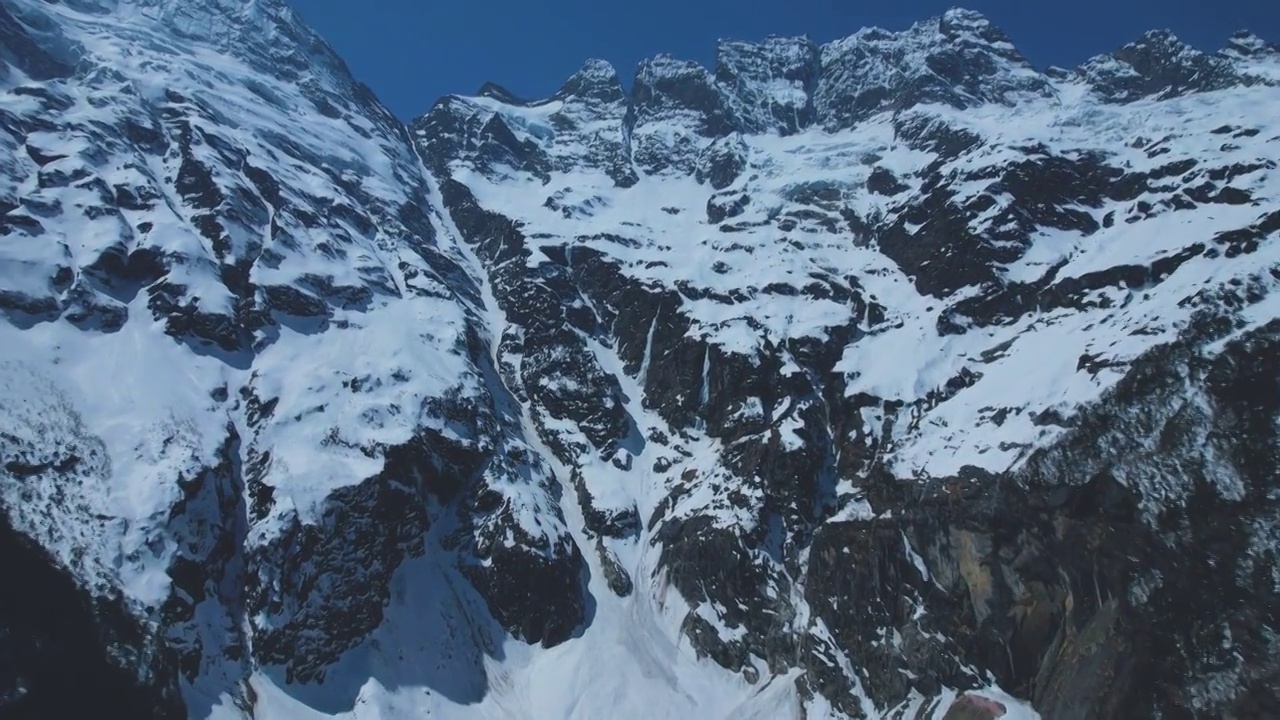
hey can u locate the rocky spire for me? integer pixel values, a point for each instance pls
(1157, 64)
(596, 81)
(494, 91)
(665, 85)
(959, 59)
(1245, 44)
(769, 84)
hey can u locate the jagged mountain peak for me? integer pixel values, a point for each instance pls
(769, 84)
(970, 25)
(959, 59)
(596, 81)
(667, 70)
(1256, 59)
(1159, 42)
(223, 23)
(671, 89)
(966, 17)
(854, 381)
(785, 49)
(596, 68)
(784, 85)
(1157, 64)
(494, 91)
(957, 26)
(955, 23)
(1246, 44)
(267, 35)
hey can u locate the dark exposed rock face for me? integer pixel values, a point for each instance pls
(910, 369)
(538, 600)
(959, 59)
(974, 707)
(1048, 575)
(174, 220)
(1057, 579)
(1195, 496)
(747, 70)
(557, 369)
(1160, 65)
(307, 622)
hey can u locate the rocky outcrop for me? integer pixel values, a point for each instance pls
(270, 449)
(886, 374)
(1058, 577)
(805, 544)
(1157, 64)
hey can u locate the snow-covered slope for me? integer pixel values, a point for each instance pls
(833, 381)
(244, 369)
(865, 289)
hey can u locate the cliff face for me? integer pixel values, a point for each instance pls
(834, 380)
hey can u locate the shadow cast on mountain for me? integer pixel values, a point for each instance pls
(436, 634)
(59, 647)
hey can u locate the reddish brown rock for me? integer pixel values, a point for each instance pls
(974, 707)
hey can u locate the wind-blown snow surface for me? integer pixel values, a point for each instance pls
(364, 421)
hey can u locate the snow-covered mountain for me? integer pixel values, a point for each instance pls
(893, 377)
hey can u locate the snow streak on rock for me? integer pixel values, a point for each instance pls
(879, 378)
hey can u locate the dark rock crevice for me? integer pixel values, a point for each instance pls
(1065, 581)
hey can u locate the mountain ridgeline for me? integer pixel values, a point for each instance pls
(888, 378)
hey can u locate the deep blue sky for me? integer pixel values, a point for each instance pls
(411, 52)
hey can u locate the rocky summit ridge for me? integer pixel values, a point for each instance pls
(887, 378)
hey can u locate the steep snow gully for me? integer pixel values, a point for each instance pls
(888, 378)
